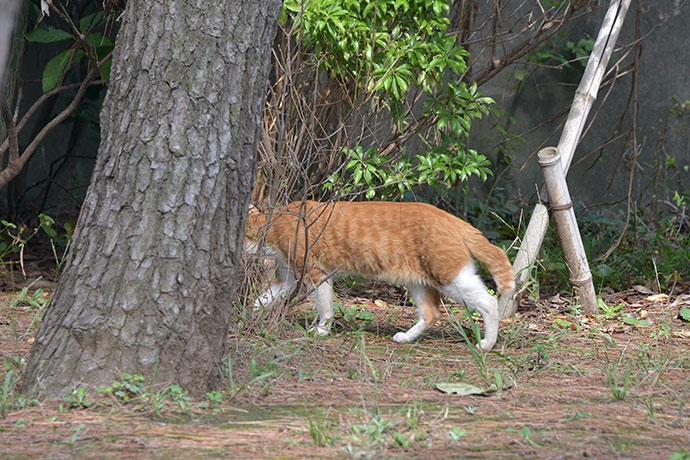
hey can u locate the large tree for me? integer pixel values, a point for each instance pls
(149, 282)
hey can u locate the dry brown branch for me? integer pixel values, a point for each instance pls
(10, 131)
(37, 105)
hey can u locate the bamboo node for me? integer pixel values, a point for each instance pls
(581, 282)
(562, 207)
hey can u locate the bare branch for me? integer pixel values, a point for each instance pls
(14, 167)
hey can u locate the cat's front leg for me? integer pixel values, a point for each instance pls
(275, 293)
(282, 288)
(323, 297)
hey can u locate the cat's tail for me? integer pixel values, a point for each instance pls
(495, 259)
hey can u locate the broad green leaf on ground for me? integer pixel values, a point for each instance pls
(465, 389)
(684, 314)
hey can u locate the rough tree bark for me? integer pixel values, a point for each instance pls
(152, 270)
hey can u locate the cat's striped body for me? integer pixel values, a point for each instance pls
(411, 244)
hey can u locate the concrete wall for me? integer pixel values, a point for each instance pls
(664, 72)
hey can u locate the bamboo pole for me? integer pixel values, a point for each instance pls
(527, 254)
(564, 216)
(582, 103)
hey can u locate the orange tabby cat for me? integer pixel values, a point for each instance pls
(411, 244)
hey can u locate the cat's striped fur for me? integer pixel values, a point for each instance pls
(412, 244)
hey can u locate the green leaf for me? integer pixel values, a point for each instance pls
(49, 35)
(91, 19)
(47, 224)
(366, 315)
(98, 40)
(684, 314)
(56, 67)
(105, 69)
(465, 389)
(681, 454)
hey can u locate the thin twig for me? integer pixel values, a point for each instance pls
(635, 146)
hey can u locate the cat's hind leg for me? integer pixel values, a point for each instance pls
(427, 300)
(469, 289)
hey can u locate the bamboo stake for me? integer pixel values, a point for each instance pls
(582, 103)
(564, 216)
(534, 236)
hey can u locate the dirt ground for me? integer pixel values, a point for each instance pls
(570, 386)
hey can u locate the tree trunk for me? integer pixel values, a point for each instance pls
(152, 272)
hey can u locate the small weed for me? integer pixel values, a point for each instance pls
(562, 324)
(7, 394)
(402, 440)
(648, 406)
(131, 388)
(353, 314)
(620, 386)
(663, 330)
(15, 363)
(37, 301)
(174, 393)
(47, 224)
(680, 454)
(371, 432)
(77, 433)
(609, 311)
(489, 375)
(456, 434)
(631, 320)
(684, 314)
(215, 397)
(579, 415)
(320, 430)
(77, 399)
(538, 358)
(526, 434)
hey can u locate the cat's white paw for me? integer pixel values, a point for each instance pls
(264, 301)
(319, 330)
(486, 345)
(401, 337)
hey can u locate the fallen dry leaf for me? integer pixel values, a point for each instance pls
(643, 314)
(657, 297)
(380, 303)
(643, 289)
